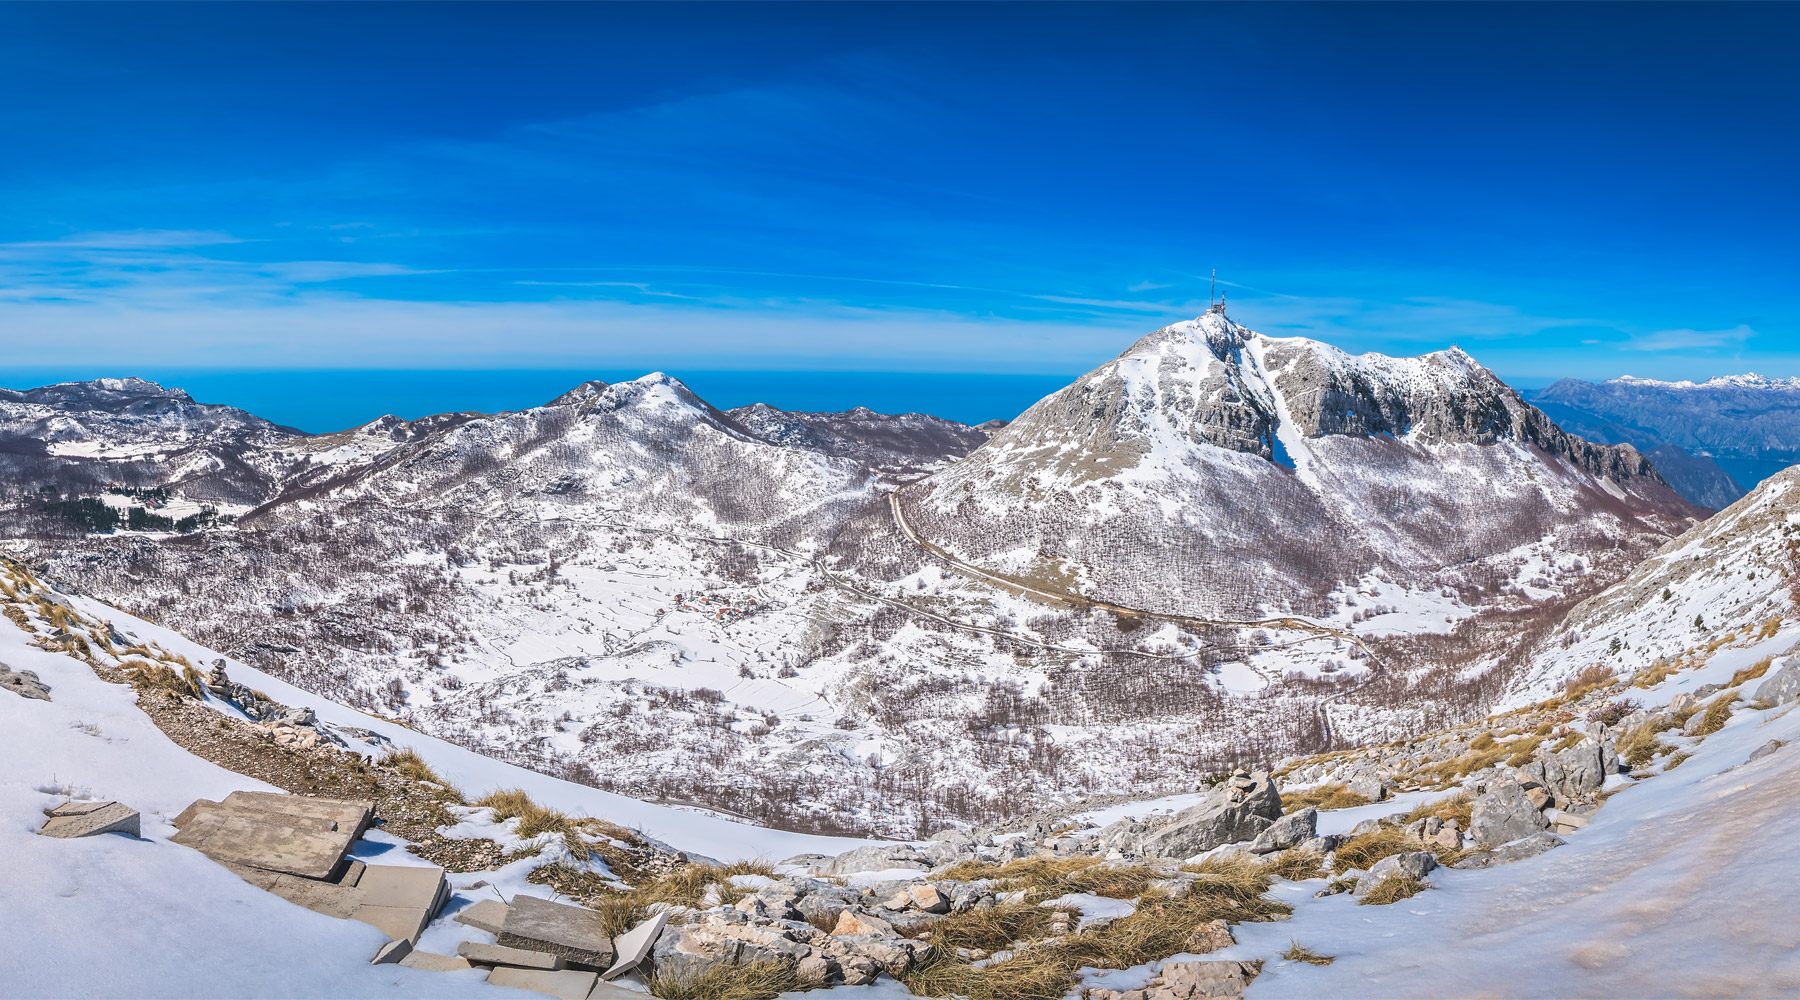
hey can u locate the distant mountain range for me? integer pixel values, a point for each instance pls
(1219, 547)
(1711, 440)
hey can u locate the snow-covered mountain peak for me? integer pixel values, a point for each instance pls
(1747, 380)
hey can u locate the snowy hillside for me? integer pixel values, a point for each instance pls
(1120, 593)
(1728, 577)
(1200, 471)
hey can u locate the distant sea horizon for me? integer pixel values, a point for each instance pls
(321, 401)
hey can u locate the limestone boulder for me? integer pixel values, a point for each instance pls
(1236, 810)
(23, 683)
(1518, 850)
(1291, 830)
(1503, 814)
(1783, 685)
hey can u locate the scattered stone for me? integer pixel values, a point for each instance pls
(1564, 822)
(1763, 751)
(1412, 864)
(24, 683)
(567, 984)
(499, 954)
(852, 923)
(427, 961)
(1214, 935)
(1291, 830)
(929, 899)
(1368, 786)
(1526, 847)
(1539, 797)
(576, 933)
(1205, 979)
(1503, 814)
(634, 945)
(90, 819)
(486, 915)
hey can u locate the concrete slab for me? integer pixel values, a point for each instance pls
(269, 845)
(486, 915)
(574, 932)
(421, 887)
(110, 817)
(334, 899)
(604, 990)
(631, 946)
(432, 962)
(392, 952)
(565, 985)
(72, 808)
(499, 954)
(351, 815)
(395, 921)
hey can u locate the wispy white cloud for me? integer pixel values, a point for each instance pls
(1689, 340)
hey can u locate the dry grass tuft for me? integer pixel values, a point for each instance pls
(1459, 807)
(990, 929)
(1393, 889)
(536, 820)
(1296, 953)
(1295, 865)
(1047, 878)
(742, 981)
(1655, 674)
(1751, 672)
(1324, 797)
(1718, 712)
(151, 677)
(1640, 746)
(687, 885)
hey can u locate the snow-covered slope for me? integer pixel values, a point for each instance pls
(1727, 576)
(1212, 470)
(877, 440)
(81, 435)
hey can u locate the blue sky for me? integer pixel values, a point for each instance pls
(1585, 190)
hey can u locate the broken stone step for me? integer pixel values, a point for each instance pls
(576, 933)
(273, 846)
(428, 961)
(392, 953)
(499, 954)
(632, 946)
(334, 899)
(351, 815)
(564, 985)
(486, 915)
(90, 819)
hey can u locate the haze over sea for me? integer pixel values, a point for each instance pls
(323, 401)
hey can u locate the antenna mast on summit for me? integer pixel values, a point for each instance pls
(1213, 302)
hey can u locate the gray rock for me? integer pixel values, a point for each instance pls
(1291, 830)
(1504, 815)
(1519, 850)
(1412, 863)
(24, 683)
(1206, 979)
(1228, 815)
(90, 819)
(687, 951)
(883, 857)
(1368, 786)
(574, 932)
(1763, 751)
(1694, 722)
(1783, 686)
